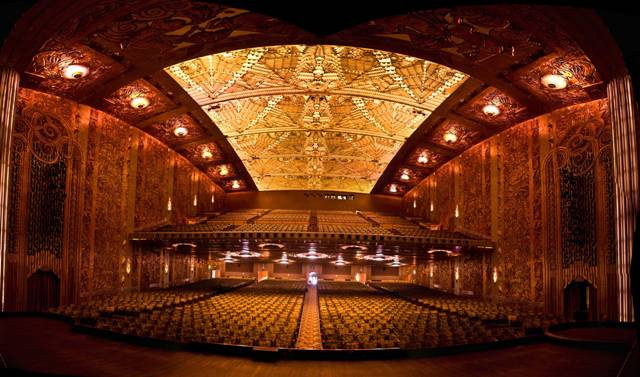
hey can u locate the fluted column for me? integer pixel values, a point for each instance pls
(622, 106)
(9, 80)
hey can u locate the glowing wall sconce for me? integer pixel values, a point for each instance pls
(495, 274)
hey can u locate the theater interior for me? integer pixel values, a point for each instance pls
(193, 188)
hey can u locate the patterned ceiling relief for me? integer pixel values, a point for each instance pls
(582, 81)
(509, 110)
(455, 135)
(121, 102)
(166, 130)
(316, 117)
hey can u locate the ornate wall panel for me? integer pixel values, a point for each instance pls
(543, 191)
(152, 183)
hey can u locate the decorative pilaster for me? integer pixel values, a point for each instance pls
(9, 81)
(622, 106)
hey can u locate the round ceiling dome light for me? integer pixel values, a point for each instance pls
(235, 185)
(423, 159)
(75, 71)
(180, 131)
(450, 137)
(405, 175)
(554, 82)
(224, 170)
(139, 102)
(393, 188)
(491, 110)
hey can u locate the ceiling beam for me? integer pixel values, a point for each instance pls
(162, 117)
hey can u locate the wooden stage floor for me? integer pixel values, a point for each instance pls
(46, 345)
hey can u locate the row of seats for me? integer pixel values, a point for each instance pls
(201, 227)
(262, 314)
(275, 227)
(136, 302)
(354, 316)
(348, 229)
(529, 315)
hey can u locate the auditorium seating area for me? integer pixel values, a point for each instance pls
(528, 315)
(272, 227)
(354, 316)
(263, 314)
(136, 302)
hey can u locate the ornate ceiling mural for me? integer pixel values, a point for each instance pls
(316, 117)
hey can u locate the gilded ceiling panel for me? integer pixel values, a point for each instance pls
(316, 117)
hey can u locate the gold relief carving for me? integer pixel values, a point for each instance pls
(151, 183)
(465, 136)
(165, 130)
(316, 117)
(510, 111)
(119, 103)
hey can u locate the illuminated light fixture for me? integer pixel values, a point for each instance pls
(166, 268)
(175, 245)
(431, 271)
(396, 261)
(405, 175)
(312, 255)
(224, 170)
(180, 131)
(353, 247)
(457, 273)
(284, 259)
(139, 102)
(423, 159)
(450, 137)
(245, 252)
(128, 267)
(206, 153)
(195, 200)
(228, 258)
(457, 212)
(169, 206)
(439, 251)
(414, 204)
(271, 245)
(213, 199)
(340, 261)
(393, 188)
(75, 71)
(554, 82)
(414, 271)
(379, 256)
(491, 110)
(235, 185)
(495, 275)
(431, 206)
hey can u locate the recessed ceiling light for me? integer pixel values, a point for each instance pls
(235, 185)
(206, 154)
(393, 188)
(75, 71)
(491, 110)
(224, 170)
(423, 159)
(181, 131)
(139, 102)
(450, 137)
(404, 176)
(554, 82)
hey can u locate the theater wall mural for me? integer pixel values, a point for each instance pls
(543, 191)
(81, 182)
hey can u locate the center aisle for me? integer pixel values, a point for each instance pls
(309, 333)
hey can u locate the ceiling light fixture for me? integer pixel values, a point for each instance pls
(75, 71)
(450, 137)
(206, 153)
(224, 170)
(491, 110)
(393, 188)
(139, 102)
(554, 82)
(340, 261)
(396, 261)
(423, 159)
(405, 175)
(284, 259)
(235, 185)
(180, 131)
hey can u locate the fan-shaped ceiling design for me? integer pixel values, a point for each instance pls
(316, 117)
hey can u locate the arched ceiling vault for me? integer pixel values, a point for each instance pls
(503, 51)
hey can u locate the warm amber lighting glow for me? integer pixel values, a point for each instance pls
(404, 176)
(213, 199)
(180, 131)
(224, 170)
(128, 267)
(423, 159)
(555, 82)
(495, 275)
(139, 102)
(75, 71)
(431, 206)
(169, 206)
(206, 154)
(457, 273)
(414, 204)
(491, 110)
(450, 137)
(457, 211)
(235, 185)
(195, 200)
(393, 188)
